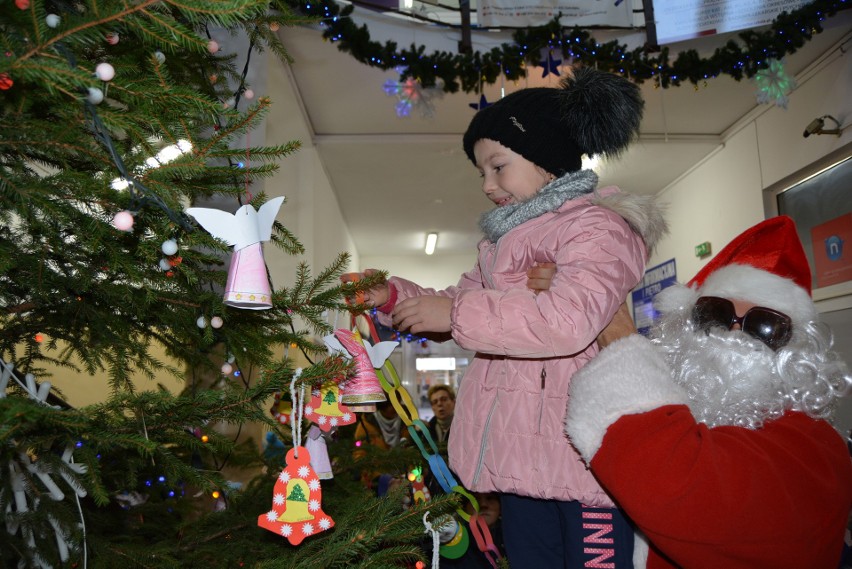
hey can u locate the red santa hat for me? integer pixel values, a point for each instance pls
(765, 265)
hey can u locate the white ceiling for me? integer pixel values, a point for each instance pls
(398, 178)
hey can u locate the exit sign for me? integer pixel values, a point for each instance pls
(702, 250)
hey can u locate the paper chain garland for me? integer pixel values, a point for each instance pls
(418, 431)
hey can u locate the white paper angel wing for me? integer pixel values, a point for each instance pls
(241, 229)
(335, 347)
(380, 352)
(266, 217)
(218, 223)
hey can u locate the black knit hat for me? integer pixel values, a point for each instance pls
(592, 112)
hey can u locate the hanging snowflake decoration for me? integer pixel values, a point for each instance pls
(411, 95)
(773, 84)
(31, 480)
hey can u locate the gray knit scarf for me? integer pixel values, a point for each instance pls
(498, 221)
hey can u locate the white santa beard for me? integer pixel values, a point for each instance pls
(730, 377)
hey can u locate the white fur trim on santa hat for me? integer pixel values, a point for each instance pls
(630, 376)
(744, 282)
(675, 297)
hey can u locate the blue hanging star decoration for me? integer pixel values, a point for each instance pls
(483, 102)
(773, 84)
(550, 65)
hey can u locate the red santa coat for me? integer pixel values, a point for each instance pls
(723, 498)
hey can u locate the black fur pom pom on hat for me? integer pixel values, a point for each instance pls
(591, 112)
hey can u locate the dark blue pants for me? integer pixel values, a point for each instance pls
(547, 534)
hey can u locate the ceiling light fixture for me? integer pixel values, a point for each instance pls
(817, 125)
(431, 242)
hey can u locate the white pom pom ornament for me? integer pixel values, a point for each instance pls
(123, 221)
(95, 96)
(105, 71)
(169, 247)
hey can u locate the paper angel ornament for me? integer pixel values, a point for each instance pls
(297, 501)
(248, 281)
(316, 445)
(363, 386)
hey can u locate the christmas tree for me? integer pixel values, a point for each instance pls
(119, 120)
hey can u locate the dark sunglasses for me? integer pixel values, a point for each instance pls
(771, 327)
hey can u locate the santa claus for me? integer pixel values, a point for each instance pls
(714, 435)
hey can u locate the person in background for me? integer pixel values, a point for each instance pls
(442, 398)
(714, 435)
(507, 434)
(382, 428)
(472, 557)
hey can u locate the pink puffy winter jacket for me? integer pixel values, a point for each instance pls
(507, 433)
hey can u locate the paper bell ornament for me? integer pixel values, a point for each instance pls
(419, 491)
(325, 408)
(281, 409)
(363, 386)
(316, 445)
(296, 501)
(248, 279)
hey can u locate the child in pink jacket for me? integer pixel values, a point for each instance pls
(507, 433)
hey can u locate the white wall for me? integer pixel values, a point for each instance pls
(310, 210)
(723, 195)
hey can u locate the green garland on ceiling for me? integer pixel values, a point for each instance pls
(470, 71)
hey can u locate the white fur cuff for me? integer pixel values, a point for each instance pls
(628, 377)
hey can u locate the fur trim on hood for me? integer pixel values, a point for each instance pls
(643, 214)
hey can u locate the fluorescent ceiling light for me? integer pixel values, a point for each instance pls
(431, 242)
(435, 364)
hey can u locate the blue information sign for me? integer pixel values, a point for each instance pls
(655, 279)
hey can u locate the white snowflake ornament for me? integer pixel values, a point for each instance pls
(773, 84)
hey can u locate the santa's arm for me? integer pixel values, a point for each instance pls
(628, 377)
(777, 496)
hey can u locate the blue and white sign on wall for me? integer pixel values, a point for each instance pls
(655, 279)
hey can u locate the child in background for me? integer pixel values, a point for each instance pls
(507, 433)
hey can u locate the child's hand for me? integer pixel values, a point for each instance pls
(423, 314)
(540, 276)
(375, 296)
(619, 327)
